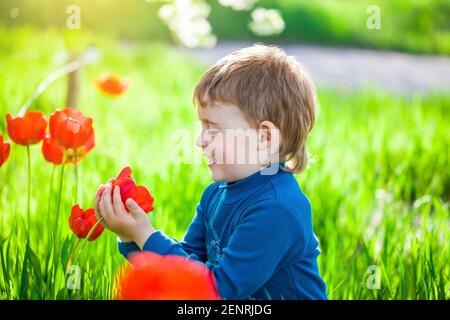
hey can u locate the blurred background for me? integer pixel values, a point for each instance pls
(413, 26)
(407, 25)
(379, 182)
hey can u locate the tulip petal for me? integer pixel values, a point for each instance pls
(125, 173)
(35, 124)
(127, 185)
(26, 130)
(90, 144)
(71, 128)
(112, 85)
(142, 196)
(81, 222)
(170, 277)
(4, 151)
(51, 151)
(56, 118)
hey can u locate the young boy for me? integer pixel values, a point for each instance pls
(253, 225)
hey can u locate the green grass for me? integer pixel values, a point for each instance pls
(379, 185)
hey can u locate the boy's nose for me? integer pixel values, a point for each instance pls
(200, 142)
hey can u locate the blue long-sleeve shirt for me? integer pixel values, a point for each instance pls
(255, 235)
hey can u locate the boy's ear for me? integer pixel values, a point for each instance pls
(266, 130)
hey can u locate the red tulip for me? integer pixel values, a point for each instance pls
(112, 85)
(26, 130)
(82, 151)
(4, 151)
(70, 128)
(128, 189)
(154, 277)
(52, 151)
(81, 222)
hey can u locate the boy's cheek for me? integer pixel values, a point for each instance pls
(228, 152)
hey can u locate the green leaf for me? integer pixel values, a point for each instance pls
(24, 276)
(65, 250)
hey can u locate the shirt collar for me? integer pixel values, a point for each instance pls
(233, 191)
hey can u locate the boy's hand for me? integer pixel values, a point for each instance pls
(98, 197)
(129, 226)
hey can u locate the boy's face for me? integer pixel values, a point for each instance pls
(228, 141)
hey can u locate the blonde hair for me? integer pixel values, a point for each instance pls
(265, 84)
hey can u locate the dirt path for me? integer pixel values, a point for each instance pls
(349, 67)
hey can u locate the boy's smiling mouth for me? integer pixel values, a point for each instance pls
(211, 160)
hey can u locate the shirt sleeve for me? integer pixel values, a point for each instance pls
(192, 245)
(268, 235)
(127, 248)
(193, 242)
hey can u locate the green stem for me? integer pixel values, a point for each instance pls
(76, 177)
(29, 189)
(48, 213)
(86, 239)
(72, 254)
(51, 189)
(58, 208)
(62, 71)
(93, 228)
(55, 231)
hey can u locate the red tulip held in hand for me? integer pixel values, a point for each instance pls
(129, 189)
(26, 130)
(4, 151)
(81, 222)
(151, 276)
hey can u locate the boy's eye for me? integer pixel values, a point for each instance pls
(212, 131)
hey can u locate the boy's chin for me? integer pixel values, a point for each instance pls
(216, 174)
(223, 172)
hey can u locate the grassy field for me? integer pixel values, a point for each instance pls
(379, 185)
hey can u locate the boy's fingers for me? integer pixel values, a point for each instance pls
(105, 215)
(134, 208)
(98, 195)
(100, 190)
(98, 213)
(117, 200)
(106, 202)
(102, 212)
(96, 208)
